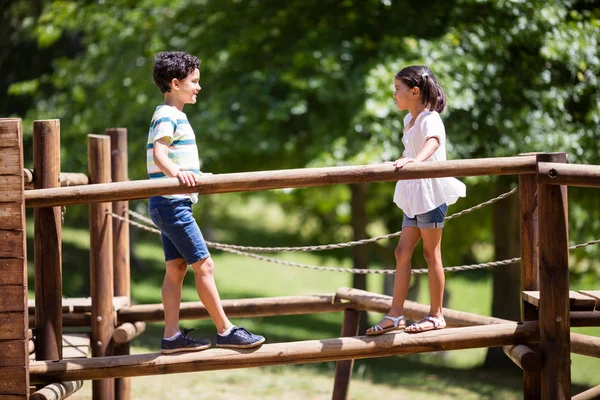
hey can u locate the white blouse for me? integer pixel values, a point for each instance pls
(418, 196)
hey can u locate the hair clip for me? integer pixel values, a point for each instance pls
(424, 75)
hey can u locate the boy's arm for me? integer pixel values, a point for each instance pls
(168, 167)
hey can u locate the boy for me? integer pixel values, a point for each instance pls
(172, 152)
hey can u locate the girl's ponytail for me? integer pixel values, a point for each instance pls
(432, 95)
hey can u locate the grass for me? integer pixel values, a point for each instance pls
(445, 375)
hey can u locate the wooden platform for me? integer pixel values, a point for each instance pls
(82, 304)
(583, 300)
(75, 345)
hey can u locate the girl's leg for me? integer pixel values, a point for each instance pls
(208, 293)
(171, 294)
(408, 240)
(432, 252)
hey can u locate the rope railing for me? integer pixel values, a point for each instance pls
(240, 250)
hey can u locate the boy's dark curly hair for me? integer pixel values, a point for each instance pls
(169, 65)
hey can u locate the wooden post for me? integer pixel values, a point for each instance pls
(48, 243)
(529, 269)
(343, 369)
(101, 260)
(14, 331)
(119, 163)
(554, 287)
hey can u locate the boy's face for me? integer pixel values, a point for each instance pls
(187, 89)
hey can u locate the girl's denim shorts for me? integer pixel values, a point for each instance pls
(180, 234)
(433, 219)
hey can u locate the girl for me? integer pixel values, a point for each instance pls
(423, 201)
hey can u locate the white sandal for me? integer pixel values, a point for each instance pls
(378, 330)
(436, 323)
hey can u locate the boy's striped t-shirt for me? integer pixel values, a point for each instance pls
(169, 122)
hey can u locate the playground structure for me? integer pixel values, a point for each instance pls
(541, 345)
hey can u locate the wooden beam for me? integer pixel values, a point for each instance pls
(557, 173)
(267, 180)
(525, 358)
(585, 318)
(287, 353)
(594, 294)
(257, 307)
(585, 345)
(590, 394)
(577, 301)
(47, 243)
(554, 286)
(66, 179)
(412, 310)
(126, 332)
(343, 368)
(57, 391)
(101, 263)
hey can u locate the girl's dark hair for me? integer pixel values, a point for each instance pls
(169, 65)
(432, 95)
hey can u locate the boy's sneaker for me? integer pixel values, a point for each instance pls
(183, 343)
(239, 338)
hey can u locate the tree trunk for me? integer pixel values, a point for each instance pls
(506, 297)
(360, 254)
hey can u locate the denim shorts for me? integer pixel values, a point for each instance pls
(180, 234)
(430, 220)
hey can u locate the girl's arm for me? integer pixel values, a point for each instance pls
(431, 145)
(168, 167)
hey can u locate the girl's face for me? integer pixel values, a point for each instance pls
(403, 95)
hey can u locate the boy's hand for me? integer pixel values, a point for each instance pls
(188, 178)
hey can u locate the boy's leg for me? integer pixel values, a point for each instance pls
(171, 294)
(208, 293)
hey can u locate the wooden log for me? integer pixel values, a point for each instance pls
(119, 166)
(343, 368)
(577, 301)
(523, 357)
(14, 354)
(287, 353)
(48, 243)
(554, 286)
(101, 263)
(585, 318)
(57, 391)
(590, 394)
(71, 319)
(257, 307)
(82, 304)
(267, 180)
(128, 331)
(585, 345)
(529, 274)
(66, 179)
(412, 310)
(594, 294)
(557, 173)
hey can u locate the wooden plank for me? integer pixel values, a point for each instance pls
(12, 325)
(555, 346)
(577, 301)
(10, 129)
(14, 352)
(11, 162)
(11, 271)
(11, 215)
(279, 179)
(82, 304)
(595, 294)
(11, 243)
(8, 183)
(13, 382)
(308, 351)
(12, 299)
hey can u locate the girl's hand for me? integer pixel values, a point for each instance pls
(188, 178)
(402, 161)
